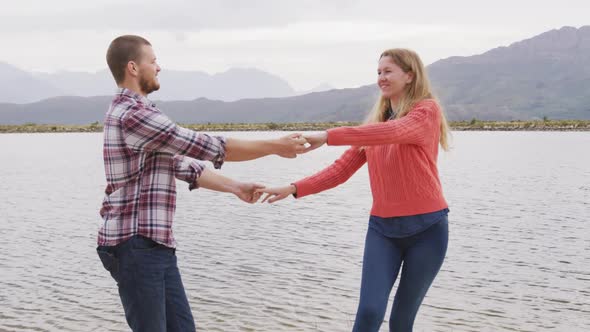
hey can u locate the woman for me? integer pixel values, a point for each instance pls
(408, 222)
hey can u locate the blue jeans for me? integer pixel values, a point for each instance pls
(422, 255)
(149, 284)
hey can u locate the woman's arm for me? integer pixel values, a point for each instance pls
(335, 174)
(277, 193)
(415, 128)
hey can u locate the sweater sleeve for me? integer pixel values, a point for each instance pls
(417, 127)
(337, 173)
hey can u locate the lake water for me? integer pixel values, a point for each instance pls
(518, 257)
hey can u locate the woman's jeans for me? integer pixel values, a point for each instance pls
(149, 284)
(422, 255)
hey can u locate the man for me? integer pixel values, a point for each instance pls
(144, 152)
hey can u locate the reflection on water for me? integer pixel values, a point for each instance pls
(518, 258)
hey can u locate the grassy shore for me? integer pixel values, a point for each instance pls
(473, 125)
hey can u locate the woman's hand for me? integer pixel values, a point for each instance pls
(277, 193)
(316, 140)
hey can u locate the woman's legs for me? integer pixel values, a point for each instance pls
(381, 263)
(422, 261)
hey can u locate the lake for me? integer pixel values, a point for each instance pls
(518, 257)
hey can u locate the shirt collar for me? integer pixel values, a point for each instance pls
(132, 94)
(389, 114)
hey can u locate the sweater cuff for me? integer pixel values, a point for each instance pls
(303, 188)
(294, 185)
(335, 136)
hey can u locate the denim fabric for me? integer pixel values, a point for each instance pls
(422, 255)
(150, 286)
(398, 227)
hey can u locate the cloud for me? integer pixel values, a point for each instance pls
(168, 15)
(185, 15)
(334, 40)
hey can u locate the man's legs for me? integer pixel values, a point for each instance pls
(142, 268)
(178, 312)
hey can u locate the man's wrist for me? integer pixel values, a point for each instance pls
(233, 187)
(275, 146)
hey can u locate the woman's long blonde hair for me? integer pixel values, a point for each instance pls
(417, 90)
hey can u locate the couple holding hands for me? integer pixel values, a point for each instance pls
(145, 152)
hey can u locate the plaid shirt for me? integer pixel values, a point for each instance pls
(144, 151)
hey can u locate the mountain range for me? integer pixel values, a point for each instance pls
(545, 76)
(231, 85)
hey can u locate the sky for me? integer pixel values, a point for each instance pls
(305, 42)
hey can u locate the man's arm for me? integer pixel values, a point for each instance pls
(195, 173)
(147, 130)
(241, 150)
(211, 180)
(188, 169)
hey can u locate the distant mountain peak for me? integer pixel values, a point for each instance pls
(20, 86)
(560, 42)
(546, 75)
(319, 88)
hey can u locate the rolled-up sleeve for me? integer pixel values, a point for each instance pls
(150, 130)
(188, 170)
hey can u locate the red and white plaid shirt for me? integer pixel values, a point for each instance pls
(144, 151)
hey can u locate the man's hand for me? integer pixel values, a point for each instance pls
(278, 193)
(291, 145)
(245, 191)
(315, 140)
(248, 192)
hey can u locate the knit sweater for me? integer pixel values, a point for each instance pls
(401, 156)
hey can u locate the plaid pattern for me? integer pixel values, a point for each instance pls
(144, 152)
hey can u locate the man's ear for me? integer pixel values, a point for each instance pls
(132, 68)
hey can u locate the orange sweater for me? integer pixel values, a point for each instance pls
(401, 155)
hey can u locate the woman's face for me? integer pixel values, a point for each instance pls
(391, 79)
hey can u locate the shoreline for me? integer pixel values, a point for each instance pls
(473, 125)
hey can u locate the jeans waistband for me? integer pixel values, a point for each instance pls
(137, 242)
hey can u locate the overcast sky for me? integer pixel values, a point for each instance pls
(306, 42)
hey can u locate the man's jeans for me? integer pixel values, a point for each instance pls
(149, 285)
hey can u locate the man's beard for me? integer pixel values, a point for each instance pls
(148, 86)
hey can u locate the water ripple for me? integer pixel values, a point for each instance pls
(518, 257)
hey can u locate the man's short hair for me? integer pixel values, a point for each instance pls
(122, 50)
